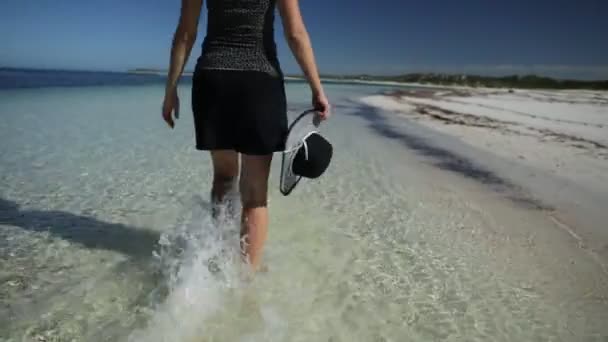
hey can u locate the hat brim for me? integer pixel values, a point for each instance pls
(305, 124)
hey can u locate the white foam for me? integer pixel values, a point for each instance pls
(201, 263)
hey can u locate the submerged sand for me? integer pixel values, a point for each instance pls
(412, 234)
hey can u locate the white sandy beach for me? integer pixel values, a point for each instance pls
(553, 143)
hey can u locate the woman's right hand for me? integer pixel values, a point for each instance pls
(170, 107)
(321, 105)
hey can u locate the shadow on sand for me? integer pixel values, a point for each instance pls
(443, 158)
(138, 243)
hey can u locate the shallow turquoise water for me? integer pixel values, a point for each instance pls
(105, 236)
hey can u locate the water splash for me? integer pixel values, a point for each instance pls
(201, 267)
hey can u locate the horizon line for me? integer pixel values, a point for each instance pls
(162, 72)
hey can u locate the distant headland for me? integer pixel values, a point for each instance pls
(152, 71)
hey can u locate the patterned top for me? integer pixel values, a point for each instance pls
(240, 36)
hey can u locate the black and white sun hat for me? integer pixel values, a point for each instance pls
(307, 153)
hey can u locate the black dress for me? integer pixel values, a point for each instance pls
(238, 90)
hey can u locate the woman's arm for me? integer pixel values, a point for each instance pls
(300, 45)
(183, 40)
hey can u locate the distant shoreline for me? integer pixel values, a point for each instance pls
(439, 80)
(407, 80)
(473, 81)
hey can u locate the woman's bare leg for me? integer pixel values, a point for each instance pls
(254, 219)
(225, 173)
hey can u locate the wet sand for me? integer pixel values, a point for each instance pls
(552, 143)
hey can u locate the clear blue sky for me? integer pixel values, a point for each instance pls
(564, 38)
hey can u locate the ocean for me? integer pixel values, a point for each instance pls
(105, 232)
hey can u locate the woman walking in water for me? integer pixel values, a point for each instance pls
(238, 98)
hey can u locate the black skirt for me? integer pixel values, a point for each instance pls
(240, 110)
